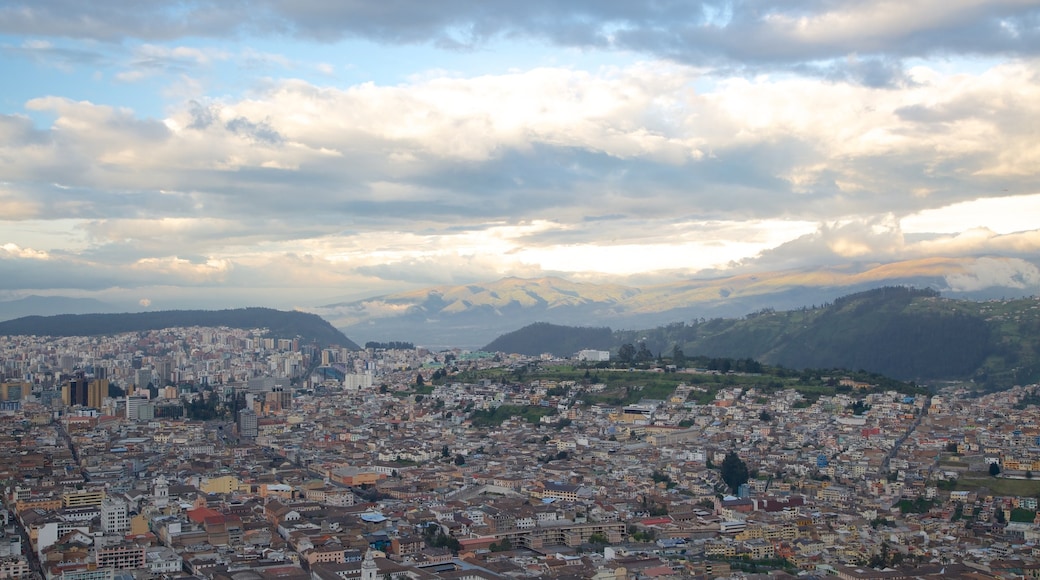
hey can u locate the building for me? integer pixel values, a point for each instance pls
(122, 556)
(594, 355)
(14, 391)
(247, 423)
(115, 516)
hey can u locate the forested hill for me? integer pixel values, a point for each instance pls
(279, 324)
(542, 337)
(900, 332)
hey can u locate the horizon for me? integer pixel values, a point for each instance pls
(212, 155)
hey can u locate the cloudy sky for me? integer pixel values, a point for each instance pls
(295, 152)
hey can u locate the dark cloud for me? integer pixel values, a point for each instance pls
(262, 131)
(698, 32)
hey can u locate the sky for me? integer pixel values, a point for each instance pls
(221, 153)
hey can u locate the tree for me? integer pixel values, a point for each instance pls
(445, 452)
(626, 353)
(504, 546)
(678, 357)
(994, 469)
(644, 353)
(459, 459)
(1029, 474)
(419, 380)
(734, 471)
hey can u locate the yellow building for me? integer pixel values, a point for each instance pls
(139, 525)
(223, 484)
(82, 498)
(14, 391)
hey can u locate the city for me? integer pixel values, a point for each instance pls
(221, 453)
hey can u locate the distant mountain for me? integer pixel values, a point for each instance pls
(279, 323)
(474, 314)
(51, 305)
(910, 334)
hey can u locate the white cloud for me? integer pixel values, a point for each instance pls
(448, 178)
(15, 251)
(1002, 215)
(988, 272)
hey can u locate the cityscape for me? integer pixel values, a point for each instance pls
(642, 289)
(222, 453)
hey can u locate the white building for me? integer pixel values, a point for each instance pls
(115, 516)
(594, 355)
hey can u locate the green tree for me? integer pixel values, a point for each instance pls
(644, 354)
(678, 357)
(419, 380)
(994, 469)
(504, 546)
(734, 471)
(626, 353)
(459, 459)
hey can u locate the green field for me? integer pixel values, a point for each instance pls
(999, 486)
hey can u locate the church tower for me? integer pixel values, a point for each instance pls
(160, 492)
(368, 567)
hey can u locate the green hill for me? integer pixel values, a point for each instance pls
(901, 332)
(542, 337)
(279, 324)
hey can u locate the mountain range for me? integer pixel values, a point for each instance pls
(472, 315)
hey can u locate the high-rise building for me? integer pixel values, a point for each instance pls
(115, 516)
(247, 423)
(14, 391)
(97, 390)
(75, 392)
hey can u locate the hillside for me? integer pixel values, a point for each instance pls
(474, 314)
(900, 332)
(279, 324)
(563, 340)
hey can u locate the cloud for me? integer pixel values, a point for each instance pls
(989, 272)
(13, 250)
(449, 178)
(702, 32)
(148, 60)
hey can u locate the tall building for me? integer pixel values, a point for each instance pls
(137, 409)
(247, 423)
(115, 516)
(97, 390)
(75, 392)
(14, 391)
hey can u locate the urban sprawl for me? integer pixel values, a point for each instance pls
(218, 453)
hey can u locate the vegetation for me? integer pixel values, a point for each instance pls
(910, 334)
(915, 506)
(494, 417)
(279, 324)
(542, 337)
(734, 471)
(392, 345)
(999, 486)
